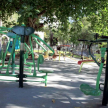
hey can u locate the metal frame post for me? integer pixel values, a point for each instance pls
(13, 58)
(105, 92)
(21, 62)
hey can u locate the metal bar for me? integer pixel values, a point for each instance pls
(34, 73)
(33, 35)
(105, 92)
(13, 58)
(7, 72)
(4, 56)
(92, 55)
(9, 80)
(21, 62)
(81, 66)
(33, 81)
(11, 75)
(36, 76)
(26, 46)
(103, 50)
(40, 44)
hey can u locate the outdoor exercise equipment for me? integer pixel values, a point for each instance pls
(88, 90)
(1, 49)
(17, 45)
(81, 62)
(40, 61)
(19, 33)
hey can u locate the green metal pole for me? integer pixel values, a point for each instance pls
(34, 73)
(13, 59)
(103, 50)
(21, 62)
(40, 44)
(7, 71)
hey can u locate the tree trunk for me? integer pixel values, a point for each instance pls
(82, 52)
(32, 23)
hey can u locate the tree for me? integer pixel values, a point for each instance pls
(31, 11)
(99, 22)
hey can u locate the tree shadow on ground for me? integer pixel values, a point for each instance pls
(35, 96)
(63, 87)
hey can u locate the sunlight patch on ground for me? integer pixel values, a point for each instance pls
(65, 101)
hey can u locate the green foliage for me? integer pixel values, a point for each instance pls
(99, 22)
(11, 21)
(61, 9)
(31, 11)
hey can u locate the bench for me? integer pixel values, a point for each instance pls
(81, 62)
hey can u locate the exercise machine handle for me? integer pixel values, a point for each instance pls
(33, 35)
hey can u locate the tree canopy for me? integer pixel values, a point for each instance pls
(30, 11)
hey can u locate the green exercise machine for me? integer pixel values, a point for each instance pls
(87, 89)
(19, 33)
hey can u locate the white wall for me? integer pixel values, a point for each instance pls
(41, 35)
(0, 23)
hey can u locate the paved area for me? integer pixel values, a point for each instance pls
(62, 90)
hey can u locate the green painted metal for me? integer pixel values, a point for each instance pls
(105, 91)
(46, 79)
(13, 59)
(12, 35)
(40, 61)
(40, 44)
(92, 55)
(36, 76)
(11, 75)
(2, 32)
(33, 81)
(34, 73)
(5, 29)
(1, 55)
(9, 80)
(22, 31)
(103, 50)
(33, 35)
(88, 90)
(13, 47)
(27, 48)
(4, 55)
(85, 88)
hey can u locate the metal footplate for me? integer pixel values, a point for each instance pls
(87, 90)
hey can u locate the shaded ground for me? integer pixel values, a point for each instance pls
(63, 88)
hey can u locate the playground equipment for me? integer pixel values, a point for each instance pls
(97, 56)
(19, 33)
(40, 61)
(81, 62)
(88, 90)
(59, 52)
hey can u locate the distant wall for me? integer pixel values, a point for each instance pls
(41, 35)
